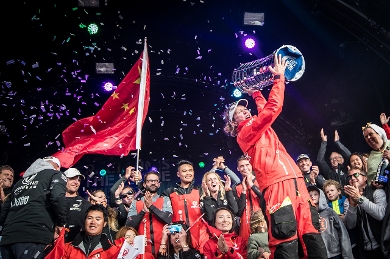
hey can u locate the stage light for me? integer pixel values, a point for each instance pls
(105, 68)
(201, 164)
(108, 86)
(103, 172)
(237, 93)
(250, 43)
(154, 169)
(93, 28)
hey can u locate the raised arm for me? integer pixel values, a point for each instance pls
(343, 150)
(268, 113)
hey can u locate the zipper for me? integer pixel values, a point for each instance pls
(292, 168)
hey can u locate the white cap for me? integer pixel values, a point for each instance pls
(72, 172)
(233, 106)
(53, 159)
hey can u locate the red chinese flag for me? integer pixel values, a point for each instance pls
(113, 130)
(59, 246)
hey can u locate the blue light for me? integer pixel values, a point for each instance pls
(103, 172)
(237, 93)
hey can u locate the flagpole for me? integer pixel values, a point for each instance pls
(141, 100)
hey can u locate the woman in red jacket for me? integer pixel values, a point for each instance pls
(225, 244)
(290, 213)
(129, 233)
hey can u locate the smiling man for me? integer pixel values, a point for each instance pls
(6, 181)
(75, 204)
(310, 172)
(91, 243)
(376, 138)
(366, 210)
(185, 204)
(248, 195)
(150, 213)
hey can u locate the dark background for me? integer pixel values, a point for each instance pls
(45, 55)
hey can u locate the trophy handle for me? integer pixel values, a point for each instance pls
(256, 74)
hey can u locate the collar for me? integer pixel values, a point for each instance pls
(242, 123)
(104, 241)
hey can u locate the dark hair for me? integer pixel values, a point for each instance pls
(242, 157)
(97, 207)
(6, 167)
(360, 155)
(184, 162)
(231, 214)
(171, 250)
(151, 172)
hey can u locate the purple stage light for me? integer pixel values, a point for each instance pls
(154, 169)
(108, 87)
(250, 43)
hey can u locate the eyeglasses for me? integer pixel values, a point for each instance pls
(126, 194)
(356, 175)
(335, 158)
(152, 181)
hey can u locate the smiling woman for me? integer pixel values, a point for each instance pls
(225, 242)
(216, 194)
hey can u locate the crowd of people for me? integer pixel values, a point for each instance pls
(274, 207)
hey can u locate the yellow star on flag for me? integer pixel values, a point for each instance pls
(138, 81)
(132, 111)
(125, 106)
(115, 95)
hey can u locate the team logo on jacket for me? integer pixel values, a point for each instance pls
(195, 205)
(323, 224)
(225, 202)
(96, 256)
(76, 206)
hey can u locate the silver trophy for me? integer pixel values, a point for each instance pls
(256, 74)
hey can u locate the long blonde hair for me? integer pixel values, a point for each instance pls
(112, 214)
(221, 186)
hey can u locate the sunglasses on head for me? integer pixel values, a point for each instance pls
(127, 194)
(356, 175)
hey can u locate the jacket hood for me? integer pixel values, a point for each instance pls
(37, 166)
(322, 204)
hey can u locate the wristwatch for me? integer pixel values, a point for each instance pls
(360, 200)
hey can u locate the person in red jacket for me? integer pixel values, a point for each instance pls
(91, 243)
(150, 213)
(127, 234)
(225, 244)
(185, 200)
(290, 212)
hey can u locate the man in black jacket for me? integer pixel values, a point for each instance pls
(310, 172)
(76, 205)
(338, 169)
(34, 209)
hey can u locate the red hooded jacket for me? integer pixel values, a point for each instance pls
(258, 140)
(237, 248)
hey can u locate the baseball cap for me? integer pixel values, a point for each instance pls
(302, 156)
(232, 107)
(53, 159)
(312, 188)
(72, 172)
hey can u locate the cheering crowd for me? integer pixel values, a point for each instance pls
(279, 207)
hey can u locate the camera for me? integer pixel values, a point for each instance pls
(176, 228)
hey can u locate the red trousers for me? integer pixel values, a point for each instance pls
(292, 221)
